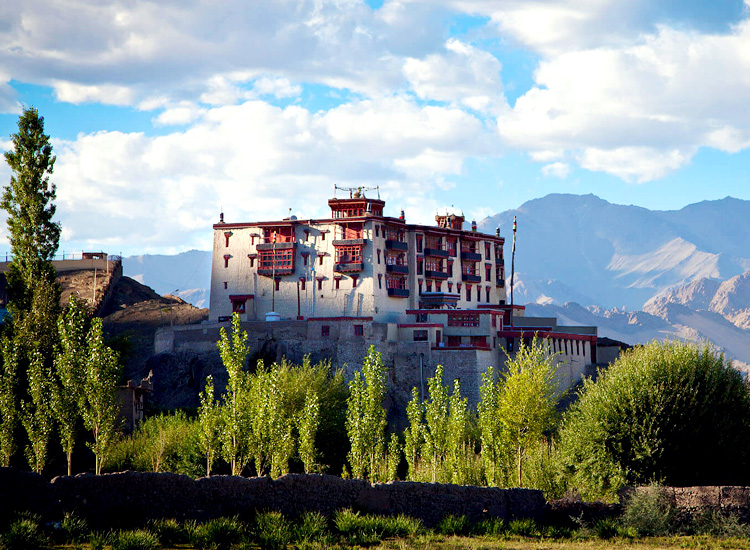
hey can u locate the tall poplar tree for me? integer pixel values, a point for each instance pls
(33, 292)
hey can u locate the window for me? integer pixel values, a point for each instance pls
(302, 281)
(453, 341)
(378, 255)
(487, 272)
(354, 281)
(278, 282)
(226, 260)
(421, 317)
(320, 259)
(479, 293)
(487, 291)
(320, 283)
(251, 257)
(451, 246)
(419, 283)
(238, 306)
(420, 266)
(419, 243)
(280, 259)
(460, 318)
(349, 254)
(336, 282)
(377, 230)
(450, 286)
(226, 237)
(486, 251)
(359, 330)
(325, 331)
(578, 350)
(225, 285)
(468, 293)
(304, 257)
(395, 282)
(420, 335)
(438, 286)
(380, 280)
(429, 286)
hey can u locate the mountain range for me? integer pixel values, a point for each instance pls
(637, 274)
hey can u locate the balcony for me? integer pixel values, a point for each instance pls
(499, 261)
(436, 252)
(349, 242)
(469, 278)
(470, 256)
(394, 268)
(500, 282)
(279, 271)
(396, 245)
(398, 292)
(276, 246)
(430, 274)
(348, 267)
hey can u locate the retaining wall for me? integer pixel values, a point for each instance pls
(130, 499)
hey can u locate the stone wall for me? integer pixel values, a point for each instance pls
(691, 501)
(130, 499)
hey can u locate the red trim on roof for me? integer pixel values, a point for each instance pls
(547, 334)
(339, 318)
(238, 297)
(420, 325)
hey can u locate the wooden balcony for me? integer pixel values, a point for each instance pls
(430, 274)
(436, 252)
(348, 267)
(398, 292)
(469, 278)
(471, 256)
(395, 268)
(396, 245)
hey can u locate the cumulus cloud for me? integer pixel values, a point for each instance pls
(465, 75)
(557, 169)
(638, 112)
(254, 160)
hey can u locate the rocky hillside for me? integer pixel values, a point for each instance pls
(134, 314)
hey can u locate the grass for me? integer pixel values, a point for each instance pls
(348, 529)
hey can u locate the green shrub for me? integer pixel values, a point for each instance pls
(493, 527)
(650, 512)
(453, 525)
(73, 529)
(272, 531)
(218, 534)
(98, 540)
(526, 527)
(171, 532)
(24, 534)
(715, 523)
(135, 540)
(607, 528)
(669, 411)
(312, 527)
(367, 529)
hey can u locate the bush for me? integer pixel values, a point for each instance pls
(218, 534)
(493, 527)
(170, 532)
(312, 527)
(650, 512)
(73, 529)
(715, 523)
(672, 412)
(272, 531)
(523, 528)
(135, 540)
(358, 529)
(453, 525)
(24, 534)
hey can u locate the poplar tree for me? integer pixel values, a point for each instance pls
(28, 200)
(209, 419)
(8, 395)
(33, 292)
(68, 392)
(237, 447)
(365, 416)
(100, 407)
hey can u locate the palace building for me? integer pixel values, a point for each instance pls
(361, 277)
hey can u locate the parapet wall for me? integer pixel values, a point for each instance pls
(130, 499)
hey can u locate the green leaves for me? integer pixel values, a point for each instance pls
(674, 412)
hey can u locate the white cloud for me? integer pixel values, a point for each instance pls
(179, 114)
(254, 160)
(277, 87)
(108, 94)
(557, 169)
(638, 112)
(464, 75)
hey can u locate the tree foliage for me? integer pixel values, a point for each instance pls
(526, 399)
(210, 421)
(28, 200)
(365, 416)
(68, 390)
(100, 406)
(672, 412)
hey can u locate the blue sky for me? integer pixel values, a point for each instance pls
(164, 113)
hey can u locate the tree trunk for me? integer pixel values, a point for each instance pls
(520, 467)
(70, 463)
